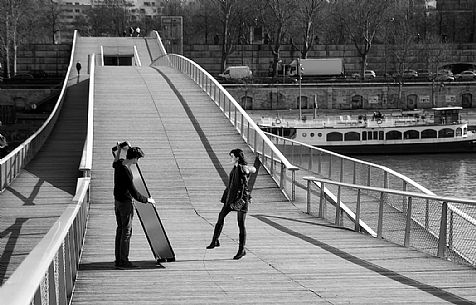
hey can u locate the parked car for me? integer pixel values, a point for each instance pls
(410, 74)
(444, 77)
(467, 75)
(368, 74)
(38, 74)
(23, 76)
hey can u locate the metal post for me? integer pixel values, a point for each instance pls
(443, 231)
(380, 217)
(338, 218)
(408, 225)
(293, 186)
(308, 196)
(322, 202)
(310, 159)
(357, 213)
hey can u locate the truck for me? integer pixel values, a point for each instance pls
(318, 67)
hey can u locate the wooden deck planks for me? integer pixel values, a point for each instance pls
(292, 258)
(38, 196)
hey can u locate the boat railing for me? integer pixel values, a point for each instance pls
(432, 224)
(271, 157)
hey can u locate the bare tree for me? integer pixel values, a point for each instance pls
(13, 13)
(308, 19)
(231, 14)
(279, 17)
(362, 20)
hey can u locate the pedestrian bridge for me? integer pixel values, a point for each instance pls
(323, 229)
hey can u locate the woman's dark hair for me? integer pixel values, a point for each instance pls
(134, 152)
(238, 153)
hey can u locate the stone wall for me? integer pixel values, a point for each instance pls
(258, 57)
(51, 58)
(356, 97)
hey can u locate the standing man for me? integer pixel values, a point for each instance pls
(124, 191)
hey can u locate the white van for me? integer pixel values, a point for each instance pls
(236, 72)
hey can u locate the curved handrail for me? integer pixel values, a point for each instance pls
(449, 226)
(228, 96)
(383, 168)
(12, 163)
(24, 283)
(87, 158)
(249, 131)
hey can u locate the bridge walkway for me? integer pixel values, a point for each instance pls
(292, 258)
(37, 197)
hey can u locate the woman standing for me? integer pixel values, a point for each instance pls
(235, 198)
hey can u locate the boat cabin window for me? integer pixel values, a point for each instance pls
(393, 135)
(446, 133)
(289, 133)
(411, 134)
(465, 131)
(447, 116)
(373, 135)
(334, 136)
(364, 135)
(428, 134)
(352, 136)
(459, 132)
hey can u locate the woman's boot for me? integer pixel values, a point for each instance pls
(216, 234)
(241, 248)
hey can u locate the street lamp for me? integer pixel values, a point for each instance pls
(299, 70)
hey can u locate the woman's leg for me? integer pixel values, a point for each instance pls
(219, 226)
(241, 225)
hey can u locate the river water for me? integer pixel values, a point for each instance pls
(444, 174)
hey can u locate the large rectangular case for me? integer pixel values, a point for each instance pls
(150, 221)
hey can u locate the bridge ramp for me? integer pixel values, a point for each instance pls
(292, 258)
(37, 197)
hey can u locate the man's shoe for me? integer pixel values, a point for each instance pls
(117, 264)
(214, 244)
(127, 265)
(240, 254)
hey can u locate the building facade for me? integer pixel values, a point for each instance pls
(457, 20)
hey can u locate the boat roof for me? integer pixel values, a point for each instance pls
(448, 108)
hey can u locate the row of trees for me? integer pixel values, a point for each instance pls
(403, 25)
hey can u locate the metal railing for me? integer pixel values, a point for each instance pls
(337, 167)
(11, 164)
(272, 159)
(47, 274)
(429, 223)
(86, 162)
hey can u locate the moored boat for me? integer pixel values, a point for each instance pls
(439, 131)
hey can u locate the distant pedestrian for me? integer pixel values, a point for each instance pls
(78, 67)
(124, 33)
(137, 31)
(236, 197)
(131, 31)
